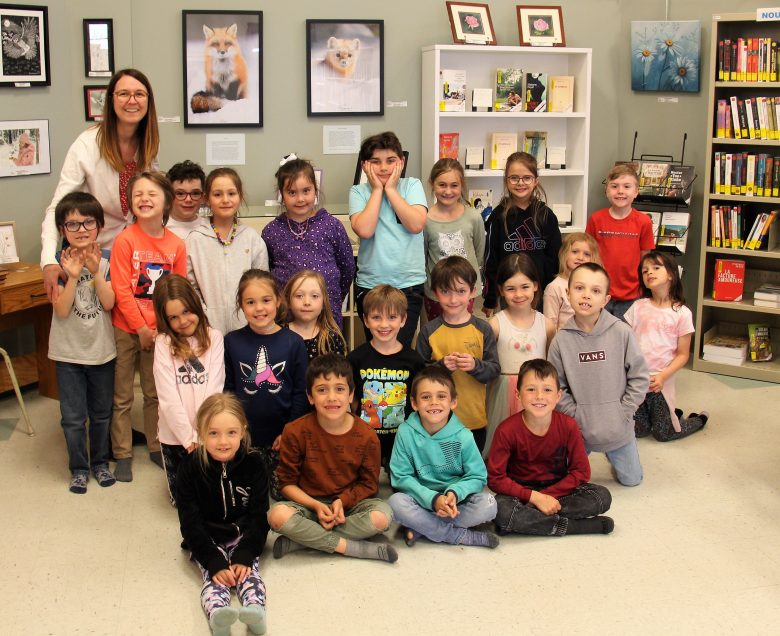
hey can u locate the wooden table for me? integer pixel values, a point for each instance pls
(23, 301)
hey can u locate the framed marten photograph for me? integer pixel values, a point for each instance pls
(344, 67)
(223, 68)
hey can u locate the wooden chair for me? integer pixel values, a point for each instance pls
(18, 392)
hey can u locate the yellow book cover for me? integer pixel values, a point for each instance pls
(561, 92)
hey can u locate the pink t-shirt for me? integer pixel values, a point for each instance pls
(658, 330)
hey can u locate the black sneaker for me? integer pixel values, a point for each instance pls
(103, 475)
(78, 482)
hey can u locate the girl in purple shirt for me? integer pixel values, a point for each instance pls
(305, 237)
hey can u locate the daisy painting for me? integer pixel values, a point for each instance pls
(665, 56)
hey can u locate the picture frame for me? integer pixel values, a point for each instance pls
(540, 26)
(471, 23)
(24, 147)
(345, 68)
(24, 57)
(8, 251)
(98, 47)
(94, 102)
(223, 84)
(666, 56)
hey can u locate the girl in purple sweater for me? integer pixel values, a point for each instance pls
(304, 236)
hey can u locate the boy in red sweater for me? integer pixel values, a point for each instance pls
(624, 236)
(329, 472)
(538, 467)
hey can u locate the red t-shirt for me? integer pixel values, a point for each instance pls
(620, 243)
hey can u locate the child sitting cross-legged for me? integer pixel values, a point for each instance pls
(437, 469)
(329, 472)
(538, 466)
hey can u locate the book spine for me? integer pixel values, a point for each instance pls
(751, 125)
(751, 176)
(773, 63)
(735, 116)
(721, 119)
(728, 172)
(734, 57)
(720, 60)
(776, 178)
(743, 118)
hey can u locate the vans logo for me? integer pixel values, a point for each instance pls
(592, 356)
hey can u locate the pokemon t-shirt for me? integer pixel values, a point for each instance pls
(382, 387)
(138, 262)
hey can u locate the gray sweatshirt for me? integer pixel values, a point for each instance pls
(604, 380)
(214, 270)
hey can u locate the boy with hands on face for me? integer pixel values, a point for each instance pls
(461, 342)
(388, 214)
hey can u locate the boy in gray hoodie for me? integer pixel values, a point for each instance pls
(603, 373)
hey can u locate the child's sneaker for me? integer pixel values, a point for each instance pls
(78, 481)
(103, 475)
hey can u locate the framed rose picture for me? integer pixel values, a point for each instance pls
(471, 23)
(540, 26)
(94, 102)
(24, 60)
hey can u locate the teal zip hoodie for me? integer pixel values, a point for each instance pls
(425, 466)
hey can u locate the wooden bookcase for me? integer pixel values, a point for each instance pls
(761, 266)
(571, 130)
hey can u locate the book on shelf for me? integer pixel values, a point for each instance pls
(767, 303)
(562, 212)
(502, 145)
(509, 90)
(475, 158)
(767, 291)
(556, 157)
(536, 92)
(726, 346)
(482, 201)
(728, 282)
(761, 117)
(760, 342)
(679, 181)
(561, 94)
(453, 90)
(535, 143)
(712, 357)
(760, 232)
(746, 174)
(449, 145)
(747, 59)
(482, 100)
(673, 230)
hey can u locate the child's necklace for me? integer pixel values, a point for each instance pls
(230, 238)
(300, 233)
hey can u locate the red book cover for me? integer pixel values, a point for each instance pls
(729, 280)
(449, 145)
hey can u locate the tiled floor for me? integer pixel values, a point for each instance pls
(696, 549)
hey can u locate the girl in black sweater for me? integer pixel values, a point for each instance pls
(222, 500)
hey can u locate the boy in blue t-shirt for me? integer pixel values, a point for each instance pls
(81, 341)
(388, 214)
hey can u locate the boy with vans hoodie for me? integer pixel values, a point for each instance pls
(603, 373)
(437, 469)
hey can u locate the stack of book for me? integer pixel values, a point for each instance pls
(748, 60)
(724, 349)
(767, 295)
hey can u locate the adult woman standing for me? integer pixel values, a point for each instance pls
(102, 160)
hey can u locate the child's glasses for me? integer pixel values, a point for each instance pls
(124, 96)
(181, 195)
(526, 179)
(75, 226)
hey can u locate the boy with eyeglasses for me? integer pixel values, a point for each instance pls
(188, 181)
(81, 340)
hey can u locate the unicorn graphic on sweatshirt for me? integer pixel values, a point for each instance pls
(263, 373)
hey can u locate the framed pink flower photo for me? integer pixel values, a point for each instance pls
(540, 26)
(471, 23)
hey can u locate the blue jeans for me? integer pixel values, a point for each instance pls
(618, 308)
(474, 510)
(625, 461)
(86, 392)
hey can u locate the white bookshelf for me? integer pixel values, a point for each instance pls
(761, 266)
(571, 130)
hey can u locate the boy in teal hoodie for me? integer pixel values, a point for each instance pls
(437, 469)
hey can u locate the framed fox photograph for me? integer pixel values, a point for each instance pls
(223, 68)
(344, 67)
